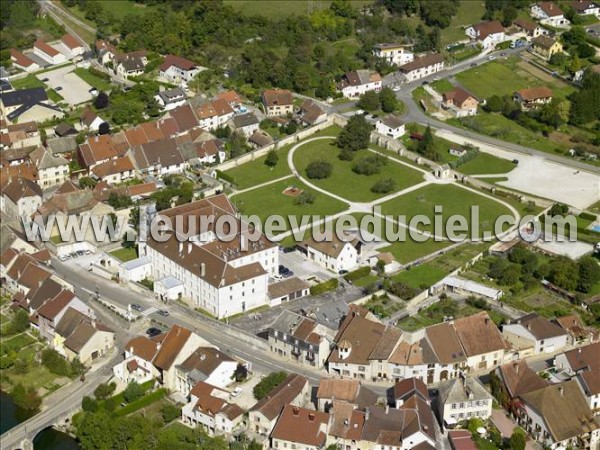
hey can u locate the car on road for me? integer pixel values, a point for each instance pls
(491, 57)
(58, 88)
(473, 64)
(343, 272)
(136, 307)
(503, 54)
(237, 391)
(425, 82)
(153, 331)
(163, 312)
(396, 88)
(44, 80)
(515, 161)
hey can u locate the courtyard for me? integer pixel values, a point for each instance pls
(71, 87)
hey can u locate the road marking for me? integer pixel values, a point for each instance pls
(149, 311)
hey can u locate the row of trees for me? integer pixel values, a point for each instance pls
(385, 100)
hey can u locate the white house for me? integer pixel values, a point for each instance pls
(422, 67)
(73, 45)
(462, 399)
(20, 61)
(115, 170)
(171, 98)
(90, 120)
(168, 288)
(583, 365)
(158, 158)
(549, 13)
(177, 69)
(534, 331)
(206, 364)
(21, 198)
(52, 169)
(208, 408)
(489, 34)
(333, 254)
(356, 83)
(391, 126)
(246, 124)
(135, 270)
(48, 53)
(586, 7)
(397, 54)
(214, 114)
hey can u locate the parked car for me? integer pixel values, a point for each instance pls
(425, 82)
(277, 277)
(503, 54)
(343, 272)
(473, 64)
(491, 57)
(44, 80)
(153, 331)
(58, 88)
(237, 391)
(396, 88)
(163, 312)
(288, 274)
(515, 161)
(358, 111)
(136, 307)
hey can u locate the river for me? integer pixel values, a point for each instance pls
(49, 439)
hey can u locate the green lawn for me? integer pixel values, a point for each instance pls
(54, 96)
(469, 12)
(442, 146)
(269, 200)
(484, 163)
(504, 77)
(92, 80)
(119, 8)
(452, 198)
(28, 82)
(442, 86)
(500, 127)
(17, 342)
(343, 181)
(256, 172)
(282, 8)
(125, 254)
(420, 277)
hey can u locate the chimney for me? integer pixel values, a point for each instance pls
(311, 417)
(295, 411)
(561, 390)
(202, 269)
(367, 413)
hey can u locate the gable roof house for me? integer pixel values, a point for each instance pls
(558, 416)
(51, 312)
(171, 98)
(28, 105)
(482, 341)
(536, 332)
(333, 390)
(158, 158)
(24, 134)
(246, 124)
(545, 46)
(259, 139)
(21, 198)
(114, 171)
(96, 150)
(583, 365)
(460, 102)
(90, 120)
(131, 64)
(214, 114)
(105, 51)
(549, 13)
(391, 126)
(577, 330)
(52, 169)
(208, 365)
(300, 428)
(488, 34)
(177, 69)
(277, 102)
(463, 398)
(421, 67)
(409, 387)
(333, 253)
(586, 7)
(20, 61)
(208, 407)
(310, 113)
(531, 29)
(48, 53)
(295, 390)
(533, 97)
(73, 45)
(356, 83)
(515, 379)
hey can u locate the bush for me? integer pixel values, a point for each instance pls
(272, 158)
(358, 273)
(305, 198)
(369, 165)
(318, 170)
(88, 404)
(384, 186)
(479, 303)
(170, 412)
(587, 216)
(99, 74)
(268, 383)
(26, 397)
(241, 373)
(142, 402)
(20, 322)
(104, 390)
(132, 392)
(325, 286)
(55, 363)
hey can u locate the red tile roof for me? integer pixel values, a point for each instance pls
(47, 49)
(20, 58)
(177, 61)
(71, 42)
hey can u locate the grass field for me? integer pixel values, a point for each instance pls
(120, 8)
(420, 277)
(28, 82)
(283, 8)
(484, 163)
(504, 77)
(442, 86)
(453, 199)
(343, 181)
(92, 80)
(125, 254)
(256, 172)
(269, 200)
(469, 12)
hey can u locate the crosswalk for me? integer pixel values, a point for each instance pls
(148, 311)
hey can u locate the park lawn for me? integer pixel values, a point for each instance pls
(500, 127)
(420, 277)
(125, 254)
(269, 200)
(441, 146)
(93, 80)
(468, 13)
(256, 172)
(484, 163)
(409, 250)
(28, 82)
(453, 199)
(282, 8)
(343, 181)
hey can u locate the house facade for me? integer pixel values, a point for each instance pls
(390, 126)
(549, 13)
(545, 47)
(177, 69)
(536, 332)
(488, 34)
(422, 67)
(533, 97)
(462, 399)
(52, 169)
(277, 102)
(394, 54)
(48, 53)
(356, 83)
(333, 254)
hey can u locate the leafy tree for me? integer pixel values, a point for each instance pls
(241, 373)
(272, 158)
(268, 383)
(133, 391)
(88, 404)
(237, 145)
(55, 363)
(170, 412)
(369, 165)
(558, 209)
(26, 397)
(369, 101)
(355, 135)
(495, 103)
(104, 390)
(223, 132)
(575, 64)
(518, 440)
(439, 13)
(305, 198)
(509, 14)
(318, 170)
(119, 201)
(564, 273)
(426, 145)
(384, 186)
(20, 322)
(101, 100)
(87, 183)
(589, 273)
(389, 102)
(555, 113)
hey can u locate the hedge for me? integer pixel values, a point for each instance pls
(225, 176)
(587, 216)
(358, 274)
(326, 286)
(142, 402)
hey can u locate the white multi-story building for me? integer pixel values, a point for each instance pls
(52, 169)
(333, 254)
(397, 54)
(391, 126)
(536, 332)
(549, 13)
(462, 399)
(223, 278)
(21, 198)
(356, 83)
(177, 69)
(488, 34)
(422, 67)
(48, 53)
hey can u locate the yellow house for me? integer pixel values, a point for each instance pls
(545, 46)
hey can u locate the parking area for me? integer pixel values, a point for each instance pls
(302, 267)
(573, 250)
(68, 85)
(594, 30)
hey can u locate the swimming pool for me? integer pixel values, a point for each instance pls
(596, 228)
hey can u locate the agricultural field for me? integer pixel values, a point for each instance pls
(453, 199)
(284, 8)
(346, 183)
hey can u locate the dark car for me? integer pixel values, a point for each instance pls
(343, 272)
(44, 79)
(425, 82)
(59, 88)
(288, 249)
(473, 64)
(163, 312)
(136, 307)
(153, 331)
(503, 54)
(515, 161)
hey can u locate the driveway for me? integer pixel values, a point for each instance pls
(506, 427)
(302, 267)
(74, 89)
